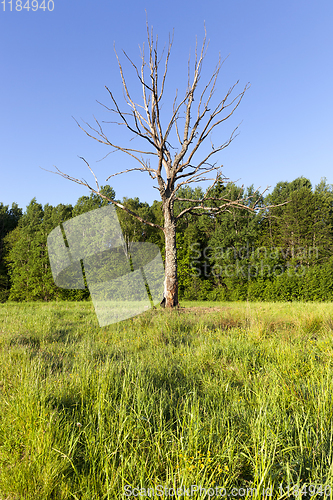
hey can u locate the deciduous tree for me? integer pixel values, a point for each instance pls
(172, 137)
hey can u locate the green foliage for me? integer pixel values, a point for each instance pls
(8, 221)
(27, 256)
(86, 203)
(26, 249)
(133, 230)
(283, 253)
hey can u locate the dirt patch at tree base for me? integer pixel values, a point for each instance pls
(200, 310)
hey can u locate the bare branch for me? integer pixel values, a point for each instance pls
(205, 160)
(116, 203)
(137, 169)
(166, 66)
(85, 161)
(239, 203)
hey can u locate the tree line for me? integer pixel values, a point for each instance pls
(282, 253)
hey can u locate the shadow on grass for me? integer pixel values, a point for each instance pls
(25, 340)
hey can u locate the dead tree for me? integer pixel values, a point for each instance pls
(189, 125)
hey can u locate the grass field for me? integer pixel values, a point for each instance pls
(235, 395)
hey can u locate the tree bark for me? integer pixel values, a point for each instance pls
(170, 298)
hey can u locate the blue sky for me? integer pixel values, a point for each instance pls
(55, 65)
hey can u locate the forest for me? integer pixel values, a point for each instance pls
(282, 253)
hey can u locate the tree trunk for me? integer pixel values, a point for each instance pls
(170, 298)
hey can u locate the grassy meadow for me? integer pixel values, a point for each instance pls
(229, 395)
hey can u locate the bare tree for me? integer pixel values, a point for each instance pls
(188, 125)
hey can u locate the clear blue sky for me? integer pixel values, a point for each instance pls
(54, 65)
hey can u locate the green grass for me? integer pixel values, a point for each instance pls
(215, 394)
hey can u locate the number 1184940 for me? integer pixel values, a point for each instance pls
(311, 490)
(27, 5)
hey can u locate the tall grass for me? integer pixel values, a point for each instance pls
(226, 394)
